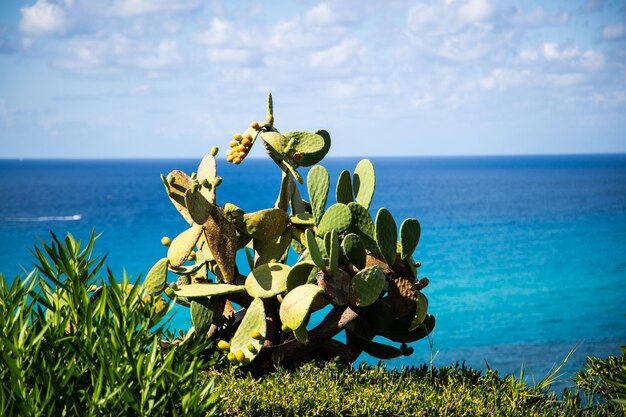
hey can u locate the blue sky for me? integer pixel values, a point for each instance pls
(171, 78)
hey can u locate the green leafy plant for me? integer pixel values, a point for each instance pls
(361, 266)
(604, 379)
(74, 344)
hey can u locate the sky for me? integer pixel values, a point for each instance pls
(172, 78)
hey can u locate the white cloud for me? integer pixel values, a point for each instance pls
(129, 8)
(476, 10)
(614, 31)
(165, 55)
(140, 90)
(346, 50)
(320, 14)
(505, 78)
(229, 55)
(611, 98)
(43, 19)
(5, 113)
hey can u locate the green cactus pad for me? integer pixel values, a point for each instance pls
(207, 170)
(367, 285)
(208, 290)
(401, 334)
(254, 320)
(295, 308)
(270, 105)
(363, 226)
(182, 245)
(221, 237)
(198, 206)
(268, 280)
(354, 250)
(338, 217)
(318, 183)
(299, 274)
(266, 224)
(276, 141)
(409, 237)
(421, 311)
(156, 280)
(302, 219)
(314, 250)
(311, 145)
(364, 182)
(204, 312)
(386, 235)
(333, 252)
(344, 188)
(179, 183)
(272, 250)
(186, 270)
(324, 134)
(301, 334)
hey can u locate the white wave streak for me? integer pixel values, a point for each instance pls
(72, 218)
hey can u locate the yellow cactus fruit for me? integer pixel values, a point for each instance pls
(223, 345)
(247, 136)
(232, 144)
(254, 125)
(237, 160)
(166, 241)
(270, 119)
(251, 348)
(240, 148)
(246, 142)
(231, 357)
(237, 137)
(230, 158)
(256, 335)
(240, 356)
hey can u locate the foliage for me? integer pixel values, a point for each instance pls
(605, 379)
(71, 344)
(360, 266)
(333, 389)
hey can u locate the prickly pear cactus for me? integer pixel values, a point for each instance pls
(361, 265)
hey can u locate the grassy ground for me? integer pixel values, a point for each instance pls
(314, 390)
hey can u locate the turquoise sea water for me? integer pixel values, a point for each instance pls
(526, 255)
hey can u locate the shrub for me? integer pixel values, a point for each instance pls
(71, 344)
(360, 266)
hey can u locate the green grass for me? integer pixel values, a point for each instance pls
(315, 390)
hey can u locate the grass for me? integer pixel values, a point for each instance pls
(332, 389)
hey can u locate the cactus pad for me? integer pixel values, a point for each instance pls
(409, 237)
(354, 250)
(337, 217)
(266, 224)
(272, 250)
(208, 290)
(299, 274)
(204, 312)
(303, 219)
(402, 296)
(333, 252)
(156, 280)
(179, 183)
(314, 250)
(401, 334)
(312, 145)
(182, 245)
(207, 170)
(267, 280)
(318, 183)
(253, 321)
(221, 237)
(344, 188)
(198, 206)
(375, 349)
(367, 285)
(363, 226)
(386, 235)
(364, 182)
(336, 287)
(275, 141)
(295, 308)
(421, 311)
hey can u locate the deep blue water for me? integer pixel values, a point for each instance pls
(526, 255)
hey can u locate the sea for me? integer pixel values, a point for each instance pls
(526, 255)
